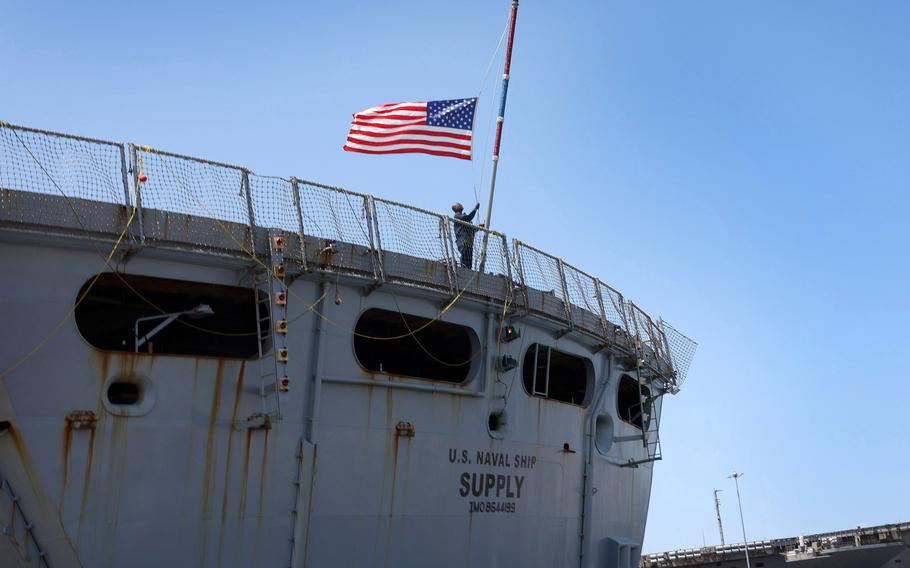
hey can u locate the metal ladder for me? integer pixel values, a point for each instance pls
(272, 324)
(11, 531)
(648, 411)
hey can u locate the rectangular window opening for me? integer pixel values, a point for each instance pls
(555, 375)
(173, 317)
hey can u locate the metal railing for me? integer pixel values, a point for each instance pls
(329, 229)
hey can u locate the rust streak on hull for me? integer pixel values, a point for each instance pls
(209, 466)
(262, 472)
(87, 476)
(244, 475)
(67, 443)
(238, 391)
(210, 443)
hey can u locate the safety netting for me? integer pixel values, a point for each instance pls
(210, 204)
(414, 244)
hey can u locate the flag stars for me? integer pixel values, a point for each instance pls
(458, 113)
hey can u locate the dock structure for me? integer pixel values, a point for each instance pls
(862, 547)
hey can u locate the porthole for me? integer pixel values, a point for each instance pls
(128, 395)
(603, 433)
(123, 393)
(498, 424)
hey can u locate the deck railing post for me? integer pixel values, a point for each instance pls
(134, 164)
(295, 193)
(245, 186)
(448, 254)
(516, 244)
(565, 291)
(504, 250)
(123, 174)
(375, 236)
(600, 306)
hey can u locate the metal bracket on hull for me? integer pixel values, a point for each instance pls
(636, 463)
(254, 422)
(563, 332)
(371, 288)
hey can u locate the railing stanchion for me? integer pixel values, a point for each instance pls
(375, 237)
(565, 291)
(600, 306)
(504, 239)
(295, 193)
(449, 255)
(134, 163)
(245, 187)
(123, 174)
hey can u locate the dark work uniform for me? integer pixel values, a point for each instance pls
(464, 237)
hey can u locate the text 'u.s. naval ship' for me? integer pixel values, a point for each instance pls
(207, 367)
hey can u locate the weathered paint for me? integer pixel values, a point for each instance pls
(209, 464)
(67, 440)
(238, 392)
(244, 475)
(309, 508)
(263, 473)
(397, 497)
(210, 448)
(86, 479)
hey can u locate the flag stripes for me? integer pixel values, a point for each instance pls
(439, 128)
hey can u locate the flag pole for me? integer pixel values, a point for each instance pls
(499, 120)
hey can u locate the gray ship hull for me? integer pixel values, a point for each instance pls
(303, 455)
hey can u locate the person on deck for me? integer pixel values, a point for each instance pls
(464, 233)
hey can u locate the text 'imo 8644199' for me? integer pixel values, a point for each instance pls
(212, 367)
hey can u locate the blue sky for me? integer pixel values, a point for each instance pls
(739, 168)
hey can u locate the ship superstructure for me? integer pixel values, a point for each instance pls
(204, 366)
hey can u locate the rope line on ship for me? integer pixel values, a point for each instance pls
(489, 134)
(508, 392)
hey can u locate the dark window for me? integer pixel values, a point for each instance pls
(403, 344)
(634, 403)
(123, 393)
(214, 320)
(552, 374)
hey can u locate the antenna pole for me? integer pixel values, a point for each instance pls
(735, 478)
(499, 120)
(720, 525)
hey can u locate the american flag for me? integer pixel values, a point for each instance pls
(441, 128)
